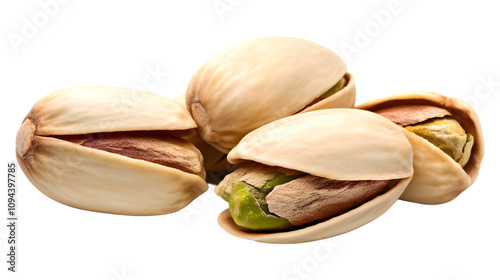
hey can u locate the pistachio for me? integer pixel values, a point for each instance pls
(293, 186)
(111, 150)
(245, 86)
(447, 141)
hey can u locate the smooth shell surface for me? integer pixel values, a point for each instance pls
(89, 109)
(438, 178)
(334, 226)
(262, 80)
(338, 144)
(95, 180)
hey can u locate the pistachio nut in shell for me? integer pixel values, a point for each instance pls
(111, 150)
(310, 151)
(214, 161)
(262, 80)
(447, 142)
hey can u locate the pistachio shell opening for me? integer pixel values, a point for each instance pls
(278, 201)
(436, 125)
(155, 147)
(336, 88)
(328, 228)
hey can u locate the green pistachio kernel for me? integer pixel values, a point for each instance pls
(448, 135)
(248, 205)
(247, 213)
(467, 150)
(338, 86)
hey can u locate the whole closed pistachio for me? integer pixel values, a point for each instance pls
(263, 80)
(447, 140)
(111, 150)
(314, 175)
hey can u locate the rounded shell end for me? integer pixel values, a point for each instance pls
(25, 136)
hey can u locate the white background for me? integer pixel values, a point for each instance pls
(390, 46)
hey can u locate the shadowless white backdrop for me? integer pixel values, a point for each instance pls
(390, 46)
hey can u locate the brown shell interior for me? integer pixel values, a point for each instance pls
(162, 147)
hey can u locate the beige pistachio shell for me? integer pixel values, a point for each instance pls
(215, 161)
(89, 109)
(340, 144)
(438, 178)
(96, 180)
(262, 80)
(337, 225)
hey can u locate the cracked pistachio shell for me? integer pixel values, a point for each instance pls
(438, 178)
(96, 180)
(262, 80)
(338, 144)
